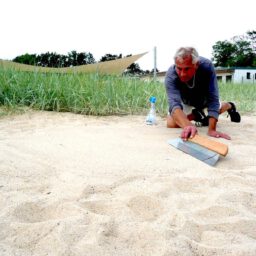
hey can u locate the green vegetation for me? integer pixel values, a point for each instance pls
(240, 51)
(242, 94)
(92, 94)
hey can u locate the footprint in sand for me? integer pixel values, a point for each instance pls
(92, 190)
(146, 208)
(223, 239)
(102, 207)
(191, 185)
(202, 233)
(247, 199)
(216, 212)
(30, 212)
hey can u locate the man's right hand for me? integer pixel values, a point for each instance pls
(188, 132)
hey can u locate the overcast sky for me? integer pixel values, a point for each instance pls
(121, 26)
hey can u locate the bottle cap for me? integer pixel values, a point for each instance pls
(152, 99)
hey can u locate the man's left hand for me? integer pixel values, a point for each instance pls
(219, 135)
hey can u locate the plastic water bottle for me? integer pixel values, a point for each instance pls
(151, 117)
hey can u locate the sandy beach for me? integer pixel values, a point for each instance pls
(74, 185)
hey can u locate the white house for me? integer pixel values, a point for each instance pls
(224, 75)
(236, 75)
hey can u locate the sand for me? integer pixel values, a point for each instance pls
(78, 185)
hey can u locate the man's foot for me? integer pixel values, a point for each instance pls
(234, 115)
(200, 118)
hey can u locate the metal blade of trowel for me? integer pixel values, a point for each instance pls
(195, 150)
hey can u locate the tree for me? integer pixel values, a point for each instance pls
(82, 58)
(134, 69)
(244, 54)
(223, 53)
(29, 59)
(153, 71)
(52, 59)
(239, 51)
(251, 37)
(46, 59)
(109, 56)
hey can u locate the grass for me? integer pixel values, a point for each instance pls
(242, 94)
(90, 94)
(94, 94)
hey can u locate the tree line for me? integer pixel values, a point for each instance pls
(239, 51)
(73, 58)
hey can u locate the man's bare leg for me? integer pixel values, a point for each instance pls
(172, 124)
(225, 106)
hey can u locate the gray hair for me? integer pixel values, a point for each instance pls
(185, 52)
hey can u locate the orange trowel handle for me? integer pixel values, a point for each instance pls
(213, 145)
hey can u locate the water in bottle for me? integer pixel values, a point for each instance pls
(151, 117)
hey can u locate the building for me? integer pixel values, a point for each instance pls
(236, 75)
(224, 75)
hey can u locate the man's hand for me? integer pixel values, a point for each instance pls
(188, 132)
(180, 118)
(212, 130)
(219, 135)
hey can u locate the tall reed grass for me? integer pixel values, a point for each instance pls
(90, 94)
(243, 95)
(94, 94)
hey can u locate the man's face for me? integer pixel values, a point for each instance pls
(185, 69)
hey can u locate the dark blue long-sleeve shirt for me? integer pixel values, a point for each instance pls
(205, 93)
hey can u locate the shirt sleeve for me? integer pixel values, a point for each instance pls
(173, 94)
(213, 97)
